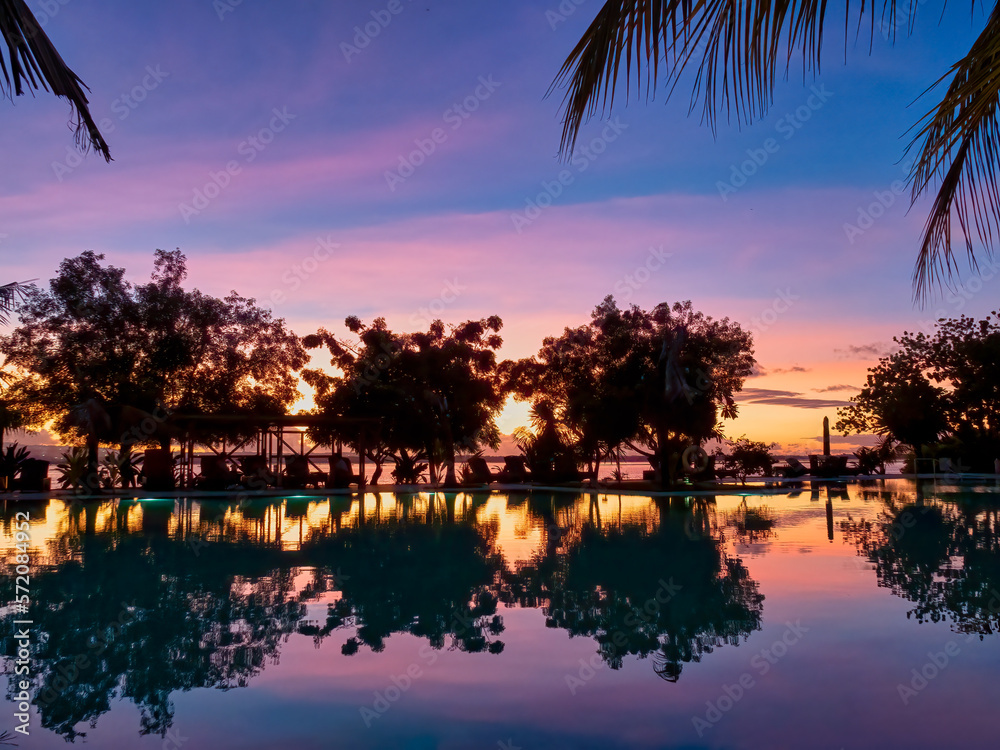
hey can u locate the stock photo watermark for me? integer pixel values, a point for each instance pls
(619, 639)
(363, 35)
(449, 295)
(562, 13)
(298, 273)
(49, 9)
(122, 106)
(22, 636)
(582, 158)
(781, 304)
(455, 116)
(959, 295)
(462, 619)
(762, 662)
(424, 316)
(397, 687)
(786, 126)
(629, 284)
(249, 149)
(225, 7)
(868, 215)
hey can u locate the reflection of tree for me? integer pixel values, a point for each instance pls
(942, 556)
(139, 617)
(666, 592)
(132, 611)
(751, 525)
(429, 580)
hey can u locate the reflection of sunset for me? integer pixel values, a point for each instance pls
(346, 592)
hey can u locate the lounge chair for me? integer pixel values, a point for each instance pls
(34, 475)
(257, 475)
(341, 474)
(514, 470)
(827, 467)
(298, 476)
(158, 470)
(794, 469)
(215, 474)
(480, 471)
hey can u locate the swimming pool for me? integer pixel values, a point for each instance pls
(860, 615)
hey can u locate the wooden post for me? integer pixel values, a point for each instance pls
(361, 462)
(281, 445)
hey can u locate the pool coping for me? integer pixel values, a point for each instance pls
(770, 485)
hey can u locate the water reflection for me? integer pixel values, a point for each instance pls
(136, 601)
(144, 600)
(940, 551)
(648, 590)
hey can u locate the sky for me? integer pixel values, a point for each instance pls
(399, 158)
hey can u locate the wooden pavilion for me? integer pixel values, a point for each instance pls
(275, 438)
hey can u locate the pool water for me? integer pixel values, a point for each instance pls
(858, 616)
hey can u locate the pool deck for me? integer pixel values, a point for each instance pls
(754, 486)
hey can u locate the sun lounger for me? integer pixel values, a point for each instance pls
(341, 474)
(514, 470)
(480, 471)
(34, 475)
(794, 469)
(215, 474)
(298, 476)
(257, 475)
(826, 467)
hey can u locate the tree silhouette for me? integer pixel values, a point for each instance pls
(944, 383)
(139, 617)
(655, 380)
(34, 61)
(666, 592)
(436, 581)
(94, 346)
(944, 556)
(436, 392)
(121, 613)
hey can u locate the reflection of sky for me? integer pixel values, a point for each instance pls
(323, 176)
(835, 687)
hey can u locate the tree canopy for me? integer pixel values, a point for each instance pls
(898, 401)
(657, 381)
(93, 337)
(944, 384)
(437, 392)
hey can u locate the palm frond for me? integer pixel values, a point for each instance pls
(32, 60)
(959, 153)
(10, 295)
(738, 48)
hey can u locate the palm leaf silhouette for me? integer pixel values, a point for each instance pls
(737, 48)
(31, 60)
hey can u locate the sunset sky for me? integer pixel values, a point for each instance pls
(386, 157)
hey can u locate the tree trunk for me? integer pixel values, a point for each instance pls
(92, 479)
(378, 470)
